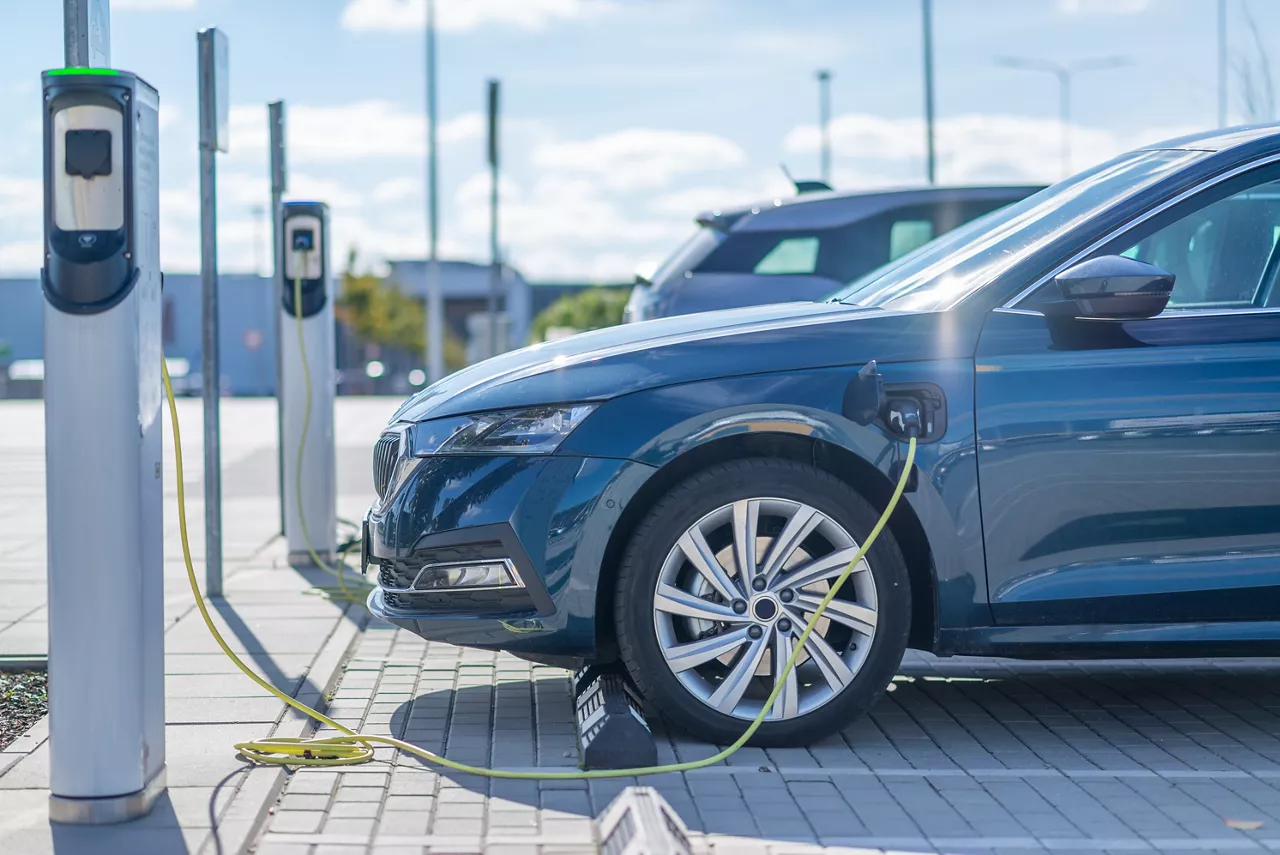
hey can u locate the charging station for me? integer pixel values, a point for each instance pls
(102, 331)
(308, 374)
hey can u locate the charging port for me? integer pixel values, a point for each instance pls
(929, 398)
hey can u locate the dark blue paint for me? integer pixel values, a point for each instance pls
(1101, 487)
(1155, 452)
(562, 509)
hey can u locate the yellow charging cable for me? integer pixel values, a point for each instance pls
(352, 747)
(343, 593)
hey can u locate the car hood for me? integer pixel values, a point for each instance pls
(629, 358)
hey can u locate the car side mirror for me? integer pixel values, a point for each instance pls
(1115, 287)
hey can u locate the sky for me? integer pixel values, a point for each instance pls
(621, 119)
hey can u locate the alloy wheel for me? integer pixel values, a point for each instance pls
(735, 593)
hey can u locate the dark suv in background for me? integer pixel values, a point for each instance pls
(803, 248)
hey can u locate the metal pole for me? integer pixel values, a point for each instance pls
(926, 9)
(86, 30)
(209, 362)
(495, 269)
(1064, 117)
(1222, 63)
(279, 183)
(824, 123)
(435, 300)
(1064, 74)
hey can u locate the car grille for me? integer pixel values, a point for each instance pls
(385, 454)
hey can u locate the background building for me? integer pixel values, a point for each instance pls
(247, 329)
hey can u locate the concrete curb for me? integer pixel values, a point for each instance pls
(28, 742)
(245, 816)
(24, 662)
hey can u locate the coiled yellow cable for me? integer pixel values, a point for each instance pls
(352, 747)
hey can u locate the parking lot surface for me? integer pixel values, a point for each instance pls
(963, 755)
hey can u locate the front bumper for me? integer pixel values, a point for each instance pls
(550, 516)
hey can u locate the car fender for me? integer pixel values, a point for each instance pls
(658, 427)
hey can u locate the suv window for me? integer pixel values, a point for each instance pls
(846, 251)
(906, 235)
(1223, 254)
(796, 255)
(747, 252)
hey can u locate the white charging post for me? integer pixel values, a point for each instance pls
(305, 235)
(103, 427)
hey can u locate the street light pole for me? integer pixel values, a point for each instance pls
(1222, 63)
(435, 300)
(824, 123)
(495, 266)
(1064, 119)
(1064, 73)
(926, 15)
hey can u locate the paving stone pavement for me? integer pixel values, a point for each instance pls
(962, 755)
(270, 616)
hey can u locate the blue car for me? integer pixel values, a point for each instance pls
(1096, 371)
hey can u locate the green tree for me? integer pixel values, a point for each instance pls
(378, 312)
(591, 309)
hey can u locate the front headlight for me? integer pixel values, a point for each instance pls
(537, 430)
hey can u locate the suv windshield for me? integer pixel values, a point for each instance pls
(940, 274)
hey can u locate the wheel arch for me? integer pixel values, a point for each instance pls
(827, 456)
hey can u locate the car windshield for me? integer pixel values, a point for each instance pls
(940, 274)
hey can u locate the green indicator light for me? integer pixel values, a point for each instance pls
(60, 72)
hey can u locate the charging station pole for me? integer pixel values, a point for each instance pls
(310, 495)
(214, 112)
(102, 320)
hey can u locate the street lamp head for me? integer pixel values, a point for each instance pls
(1030, 64)
(1100, 63)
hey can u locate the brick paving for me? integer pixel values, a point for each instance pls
(963, 755)
(269, 615)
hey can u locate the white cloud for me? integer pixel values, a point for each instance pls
(878, 151)
(1103, 7)
(640, 157)
(21, 256)
(21, 220)
(688, 202)
(150, 5)
(349, 132)
(169, 116)
(21, 198)
(811, 46)
(398, 189)
(464, 15)
(312, 187)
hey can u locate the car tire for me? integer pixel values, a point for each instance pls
(651, 553)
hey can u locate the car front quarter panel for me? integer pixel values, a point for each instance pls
(659, 426)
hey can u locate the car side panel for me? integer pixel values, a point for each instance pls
(657, 426)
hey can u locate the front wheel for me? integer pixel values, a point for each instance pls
(719, 582)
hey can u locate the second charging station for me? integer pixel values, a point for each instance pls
(307, 360)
